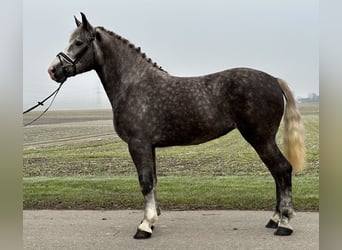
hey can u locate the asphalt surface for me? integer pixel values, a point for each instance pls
(213, 229)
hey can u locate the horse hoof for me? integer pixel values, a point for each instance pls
(142, 235)
(272, 224)
(283, 231)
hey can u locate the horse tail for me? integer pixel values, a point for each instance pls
(293, 131)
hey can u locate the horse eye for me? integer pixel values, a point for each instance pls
(78, 43)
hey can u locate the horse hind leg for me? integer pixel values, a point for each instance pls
(279, 222)
(281, 171)
(275, 219)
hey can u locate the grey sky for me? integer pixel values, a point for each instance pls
(186, 38)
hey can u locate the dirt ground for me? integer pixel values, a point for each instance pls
(63, 127)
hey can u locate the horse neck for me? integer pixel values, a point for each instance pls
(121, 65)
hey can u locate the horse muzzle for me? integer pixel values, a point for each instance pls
(63, 67)
(57, 73)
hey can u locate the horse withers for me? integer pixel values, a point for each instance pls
(152, 108)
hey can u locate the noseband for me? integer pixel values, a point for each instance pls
(66, 61)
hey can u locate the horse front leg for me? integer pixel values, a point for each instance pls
(155, 181)
(143, 157)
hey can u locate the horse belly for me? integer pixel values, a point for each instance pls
(191, 126)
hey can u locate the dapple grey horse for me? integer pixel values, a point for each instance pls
(152, 108)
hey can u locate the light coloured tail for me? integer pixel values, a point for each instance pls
(293, 132)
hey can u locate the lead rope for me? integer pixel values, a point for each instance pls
(54, 94)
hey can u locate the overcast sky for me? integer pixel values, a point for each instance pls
(186, 38)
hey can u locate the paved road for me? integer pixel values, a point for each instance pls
(51, 229)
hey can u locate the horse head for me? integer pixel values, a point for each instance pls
(80, 54)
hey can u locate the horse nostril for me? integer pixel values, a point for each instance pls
(52, 71)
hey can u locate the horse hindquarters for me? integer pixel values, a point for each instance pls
(259, 127)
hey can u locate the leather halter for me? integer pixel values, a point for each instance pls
(66, 61)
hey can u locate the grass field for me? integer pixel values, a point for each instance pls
(73, 159)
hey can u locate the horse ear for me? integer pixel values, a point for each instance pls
(86, 24)
(78, 23)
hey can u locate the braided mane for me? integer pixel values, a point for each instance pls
(132, 46)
